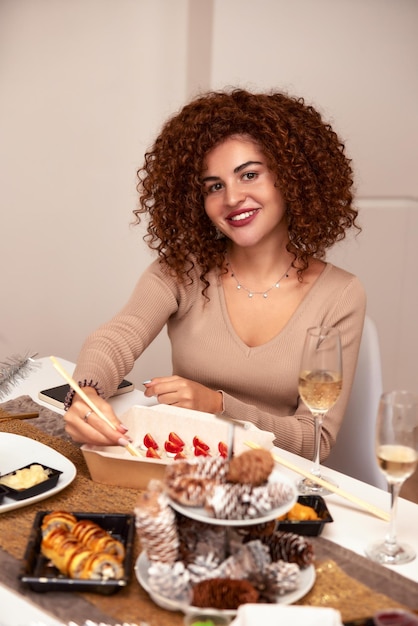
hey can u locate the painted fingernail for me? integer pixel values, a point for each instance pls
(122, 441)
(122, 428)
(146, 382)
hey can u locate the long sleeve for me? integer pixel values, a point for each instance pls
(110, 352)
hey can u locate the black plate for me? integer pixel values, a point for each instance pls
(308, 527)
(22, 494)
(40, 575)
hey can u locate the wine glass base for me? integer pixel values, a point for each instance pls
(308, 487)
(398, 554)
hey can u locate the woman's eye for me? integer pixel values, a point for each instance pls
(249, 175)
(214, 187)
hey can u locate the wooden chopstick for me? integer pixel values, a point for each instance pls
(89, 402)
(4, 416)
(324, 483)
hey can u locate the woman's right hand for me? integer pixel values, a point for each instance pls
(84, 426)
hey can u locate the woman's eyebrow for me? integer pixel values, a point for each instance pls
(237, 169)
(244, 165)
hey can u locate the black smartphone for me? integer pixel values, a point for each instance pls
(57, 395)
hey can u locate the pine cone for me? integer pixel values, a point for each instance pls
(245, 558)
(207, 467)
(199, 538)
(204, 568)
(219, 593)
(287, 576)
(187, 482)
(189, 490)
(255, 531)
(266, 584)
(290, 547)
(170, 581)
(236, 501)
(155, 523)
(251, 467)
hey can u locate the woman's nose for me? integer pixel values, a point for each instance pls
(234, 194)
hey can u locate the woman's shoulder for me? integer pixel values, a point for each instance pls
(325, 273)
(339, 273)
(160, 268)
(338, 277)
(186, 288)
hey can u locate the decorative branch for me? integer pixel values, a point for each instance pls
(13, 370)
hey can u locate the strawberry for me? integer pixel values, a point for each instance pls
(149, 442)
(199, 443)
(180, 455)
(199, 451)
(176, 440)
(172, 448)
(223, 449)
(152, 453)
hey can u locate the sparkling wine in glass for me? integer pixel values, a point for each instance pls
(396, 447)
(320, 383)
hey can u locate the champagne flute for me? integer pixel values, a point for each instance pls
(396, 447)
(320, 383)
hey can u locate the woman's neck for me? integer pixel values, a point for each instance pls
(262, 265)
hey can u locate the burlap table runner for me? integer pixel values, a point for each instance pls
(344, 580)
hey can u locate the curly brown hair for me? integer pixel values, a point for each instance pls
(308, 158)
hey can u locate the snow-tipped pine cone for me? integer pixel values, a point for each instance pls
(290, 547)
(236, 501)
(170, 581)
(156, 527)
(188, 481)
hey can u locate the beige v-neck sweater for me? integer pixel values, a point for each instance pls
(259, 384)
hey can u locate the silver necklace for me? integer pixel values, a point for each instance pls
(252, 292)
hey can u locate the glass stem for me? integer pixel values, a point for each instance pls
(390, 539)
(316, 458)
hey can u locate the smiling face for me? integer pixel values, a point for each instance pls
(240, 196)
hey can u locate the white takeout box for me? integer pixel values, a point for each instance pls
(113, 465)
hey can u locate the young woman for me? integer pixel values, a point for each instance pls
(244, 193)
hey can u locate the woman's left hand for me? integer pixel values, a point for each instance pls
(184, 393)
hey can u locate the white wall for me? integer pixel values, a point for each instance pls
(356, 60)
(85, 85)
(385, 257)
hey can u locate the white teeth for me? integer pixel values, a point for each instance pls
(242, 216)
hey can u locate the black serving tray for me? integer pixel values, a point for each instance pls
(40, 575)
(311, 528)
(29, 492)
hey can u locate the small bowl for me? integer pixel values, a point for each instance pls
(206, 617)
(394, 617)
(29, 492)
(309, 528)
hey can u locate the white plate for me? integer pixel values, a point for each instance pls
(201, 515)
(307, 579)
(17, 451)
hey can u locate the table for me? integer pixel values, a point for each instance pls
(352, 527)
